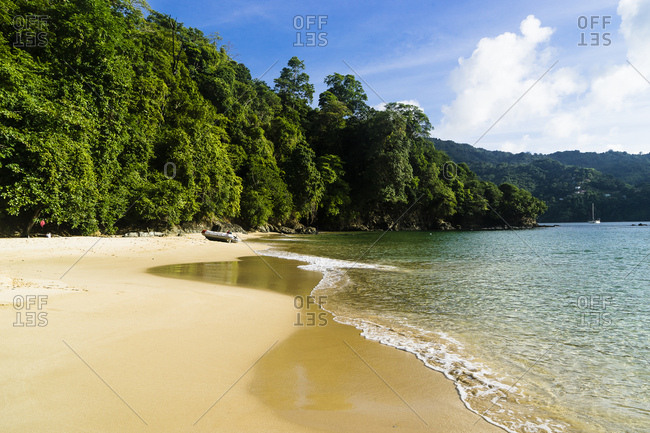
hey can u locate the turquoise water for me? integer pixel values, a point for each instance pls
(544, 330)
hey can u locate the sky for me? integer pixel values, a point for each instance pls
(518, 76)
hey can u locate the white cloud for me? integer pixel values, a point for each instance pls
(382, 106)
(635, 27)
(498, 72)
(567, 108)
(621, 85)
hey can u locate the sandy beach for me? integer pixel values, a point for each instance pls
(106, 346)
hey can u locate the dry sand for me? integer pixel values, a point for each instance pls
(124, 350)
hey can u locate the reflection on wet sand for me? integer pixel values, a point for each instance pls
(325, 376)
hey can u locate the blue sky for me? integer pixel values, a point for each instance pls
(591, 100)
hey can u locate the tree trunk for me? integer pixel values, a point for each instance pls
(32, 221)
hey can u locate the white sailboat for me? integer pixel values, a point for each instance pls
(593, 216)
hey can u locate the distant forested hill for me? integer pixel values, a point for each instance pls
(113, 115)
(617, 182)
(632, 169)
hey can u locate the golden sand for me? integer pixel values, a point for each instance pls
(125, 350)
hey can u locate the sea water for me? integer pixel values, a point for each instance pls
(544, 330)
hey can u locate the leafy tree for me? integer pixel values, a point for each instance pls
(294, 89)
(328, 124)
(122, 120)
(305, 182)
(517, 206)
(348, 91)
(388, 171)
(336, 196)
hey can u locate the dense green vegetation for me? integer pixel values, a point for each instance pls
(123, 117)
(617, 182)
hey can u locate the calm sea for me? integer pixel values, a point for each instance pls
(544, 330)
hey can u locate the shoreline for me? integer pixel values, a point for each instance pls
(127, 350)
(361, 325)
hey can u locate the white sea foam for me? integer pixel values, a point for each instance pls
(472, 379)
(324, 264)
(437, 350)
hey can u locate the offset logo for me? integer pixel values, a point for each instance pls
(593, 310)
(310, 318)
(30, 311)
(169, 170)
(594, 31)
(449, 170)
(309, 30)
(30, 31)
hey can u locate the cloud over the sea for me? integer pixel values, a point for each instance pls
(584, 107)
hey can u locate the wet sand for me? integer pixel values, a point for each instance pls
(125, 349)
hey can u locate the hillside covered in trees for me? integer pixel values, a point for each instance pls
(113, 115)
(617, 183)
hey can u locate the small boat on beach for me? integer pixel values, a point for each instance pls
(220, 236)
